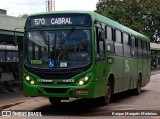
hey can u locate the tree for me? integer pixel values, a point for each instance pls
(140, 15)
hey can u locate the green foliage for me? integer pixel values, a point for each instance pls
(140, 15)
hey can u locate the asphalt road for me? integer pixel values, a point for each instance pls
(149, 100)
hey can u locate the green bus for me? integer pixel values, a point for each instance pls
(78, 54)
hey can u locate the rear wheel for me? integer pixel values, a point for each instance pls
(137, 90)
(54, 101)
(106, 99)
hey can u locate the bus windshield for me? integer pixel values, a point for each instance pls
(58, 48)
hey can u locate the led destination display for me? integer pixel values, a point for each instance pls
(59, 20)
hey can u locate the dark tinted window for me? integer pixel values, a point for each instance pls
(109, 40)
(126, 46)
(2, 56)
(126, 39)
(139, 43)
(118, 43)
(134, 45)
(139, 48)
(109, 33)
(133, 41)
(145, 54)
(118, 36)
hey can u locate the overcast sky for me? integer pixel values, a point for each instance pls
(19, 7)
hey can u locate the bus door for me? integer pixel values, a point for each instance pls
(100, 69)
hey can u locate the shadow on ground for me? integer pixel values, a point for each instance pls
(84, 107)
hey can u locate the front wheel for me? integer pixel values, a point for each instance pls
(105, 100)
(54, 101)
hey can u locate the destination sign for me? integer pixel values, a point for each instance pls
(58, 19)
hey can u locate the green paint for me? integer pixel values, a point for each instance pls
(125, 70)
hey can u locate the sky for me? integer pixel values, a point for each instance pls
(19, 7)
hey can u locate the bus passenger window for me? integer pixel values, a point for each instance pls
(139, 48)
(109, 40)
(148, 50)
(118, 36)
(109, 33)
(133, 46)
(126, 42)
(118, 43)
(144, 50)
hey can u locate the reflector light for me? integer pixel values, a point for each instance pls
(81, 91)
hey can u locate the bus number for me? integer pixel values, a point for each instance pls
(39, 22)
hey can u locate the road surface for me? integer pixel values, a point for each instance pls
(146, 103)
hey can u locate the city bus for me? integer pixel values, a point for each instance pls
(78, 54)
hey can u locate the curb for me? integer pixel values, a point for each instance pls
(155, 72)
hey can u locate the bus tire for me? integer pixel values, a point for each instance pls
(105, 100)
(54, 101)
(137, 90)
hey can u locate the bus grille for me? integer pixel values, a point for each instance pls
(55, 75)
(55, 90)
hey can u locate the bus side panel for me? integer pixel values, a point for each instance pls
(117, 68)
(149, 70)
(130, 73)
(134, 72)
(100, 81)
(144, 74)
(127, 73)
(149, 67)
(140, 63)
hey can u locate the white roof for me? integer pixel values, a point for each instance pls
(155, 46)
(10, 23)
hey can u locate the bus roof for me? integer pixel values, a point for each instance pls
(98, 17)
(117, 25)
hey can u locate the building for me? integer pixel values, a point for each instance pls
(155, 53)
(9, 65)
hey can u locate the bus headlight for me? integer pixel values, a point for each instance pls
(81, 82)
(32, 82)
(27, 78)
(84, 80)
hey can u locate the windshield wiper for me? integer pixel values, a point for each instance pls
(67, 36)
(44, 37)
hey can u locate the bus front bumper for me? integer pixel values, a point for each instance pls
(84, 91)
